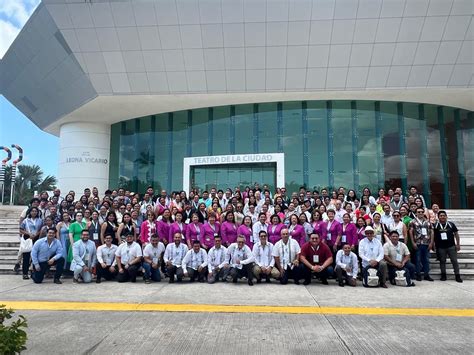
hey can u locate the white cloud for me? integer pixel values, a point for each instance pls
(13, 16)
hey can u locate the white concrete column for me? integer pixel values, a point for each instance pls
(84, 155)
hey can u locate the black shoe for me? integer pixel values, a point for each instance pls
(234, 281)
(428, 278)
(443, 277)
(57, 281)
(325, 282)
(297, 282)
(392, 282)
(98, 281)
(458, 278)
(384, 286)
(259, 281)
(306, 282)
(411, 285)
(75, 281)
(418, 277)
(171, 280)
(268, 280)
(341, 283)
(250, 282)
(180, 279)
(26, 277)
(16, 268)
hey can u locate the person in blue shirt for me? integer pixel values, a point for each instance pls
(46, 253)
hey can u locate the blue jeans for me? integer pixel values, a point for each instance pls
(151, 273)
(423, 259)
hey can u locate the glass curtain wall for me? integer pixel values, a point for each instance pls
(326, 144)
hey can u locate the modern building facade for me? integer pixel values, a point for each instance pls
(200, 93)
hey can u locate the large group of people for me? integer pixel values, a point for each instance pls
(252, 234)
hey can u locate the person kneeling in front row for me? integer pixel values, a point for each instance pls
(317, 259)
(216, 260)
(195, 263)
(152, 259)
(372, 255)
(347, 266)
(240, 261)
(287, 258)
(264, 260)
(129, 259)
(106, 260)
(84, 258)
(47, 252)
(173, 258)
(397, 256)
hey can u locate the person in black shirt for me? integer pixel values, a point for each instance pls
(446, 240)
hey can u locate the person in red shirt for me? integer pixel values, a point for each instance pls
(316, 258)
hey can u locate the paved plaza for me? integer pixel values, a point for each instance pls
(227, 318)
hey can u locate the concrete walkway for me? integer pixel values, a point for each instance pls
(213, 332)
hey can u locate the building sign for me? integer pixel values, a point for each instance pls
(278, 158)
(86, 157)
(233, 159)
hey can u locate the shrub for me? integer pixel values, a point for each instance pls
(12, 337)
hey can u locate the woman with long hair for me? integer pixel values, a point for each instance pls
(245, 229)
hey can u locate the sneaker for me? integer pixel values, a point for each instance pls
(26, 277)
(16, 268)
(428, 278)
(57, 281)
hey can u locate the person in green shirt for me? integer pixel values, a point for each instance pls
(406, 219)
(75, 230)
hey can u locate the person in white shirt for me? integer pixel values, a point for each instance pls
(106, 260)
(152, 254)
(386, 218)
(174, 254)
(397, 256)
(195, 262)
(129, 259)
(287, 258)
(84, 258)
(261, 225)
(216, 259)
(264, 260)
(347, 266)
(372, 255)
(339, 212)
(252, 212)
(239, 261)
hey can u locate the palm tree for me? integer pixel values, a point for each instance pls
(29, 178)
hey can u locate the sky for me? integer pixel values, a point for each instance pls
(39, 147)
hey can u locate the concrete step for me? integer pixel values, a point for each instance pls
(8, 250)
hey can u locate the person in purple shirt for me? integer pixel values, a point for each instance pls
(274, 229)
(229, 230)
(349, 232)
(163, 226)
(319, 226)
(194, 231)
(334, 232)
(177, 226)
(296, 230)
(245, 229)
(211, 230)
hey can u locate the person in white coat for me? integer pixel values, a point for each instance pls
(84, 258)
(264, 261)
(195, 263)
(240, 261)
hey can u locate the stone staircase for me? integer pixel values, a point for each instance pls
(464, 220)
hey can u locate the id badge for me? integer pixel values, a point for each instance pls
(328, 236)
(423, 231)
(399, 257)
(95, 236)
(444, 236)
(315, 258)
(343, 238)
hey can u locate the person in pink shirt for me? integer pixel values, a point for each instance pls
(296, 230)
(274, 229)
(361, 224)
(229, 230)
(319, 226)
(163, 226)
(177, 226)
(148, 228)
(194, 231)
(211, 230)
(245, 229)
(334, 231)
(160, 206)
(349, 232)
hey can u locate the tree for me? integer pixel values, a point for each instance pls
(29, 178)
(13, 337)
